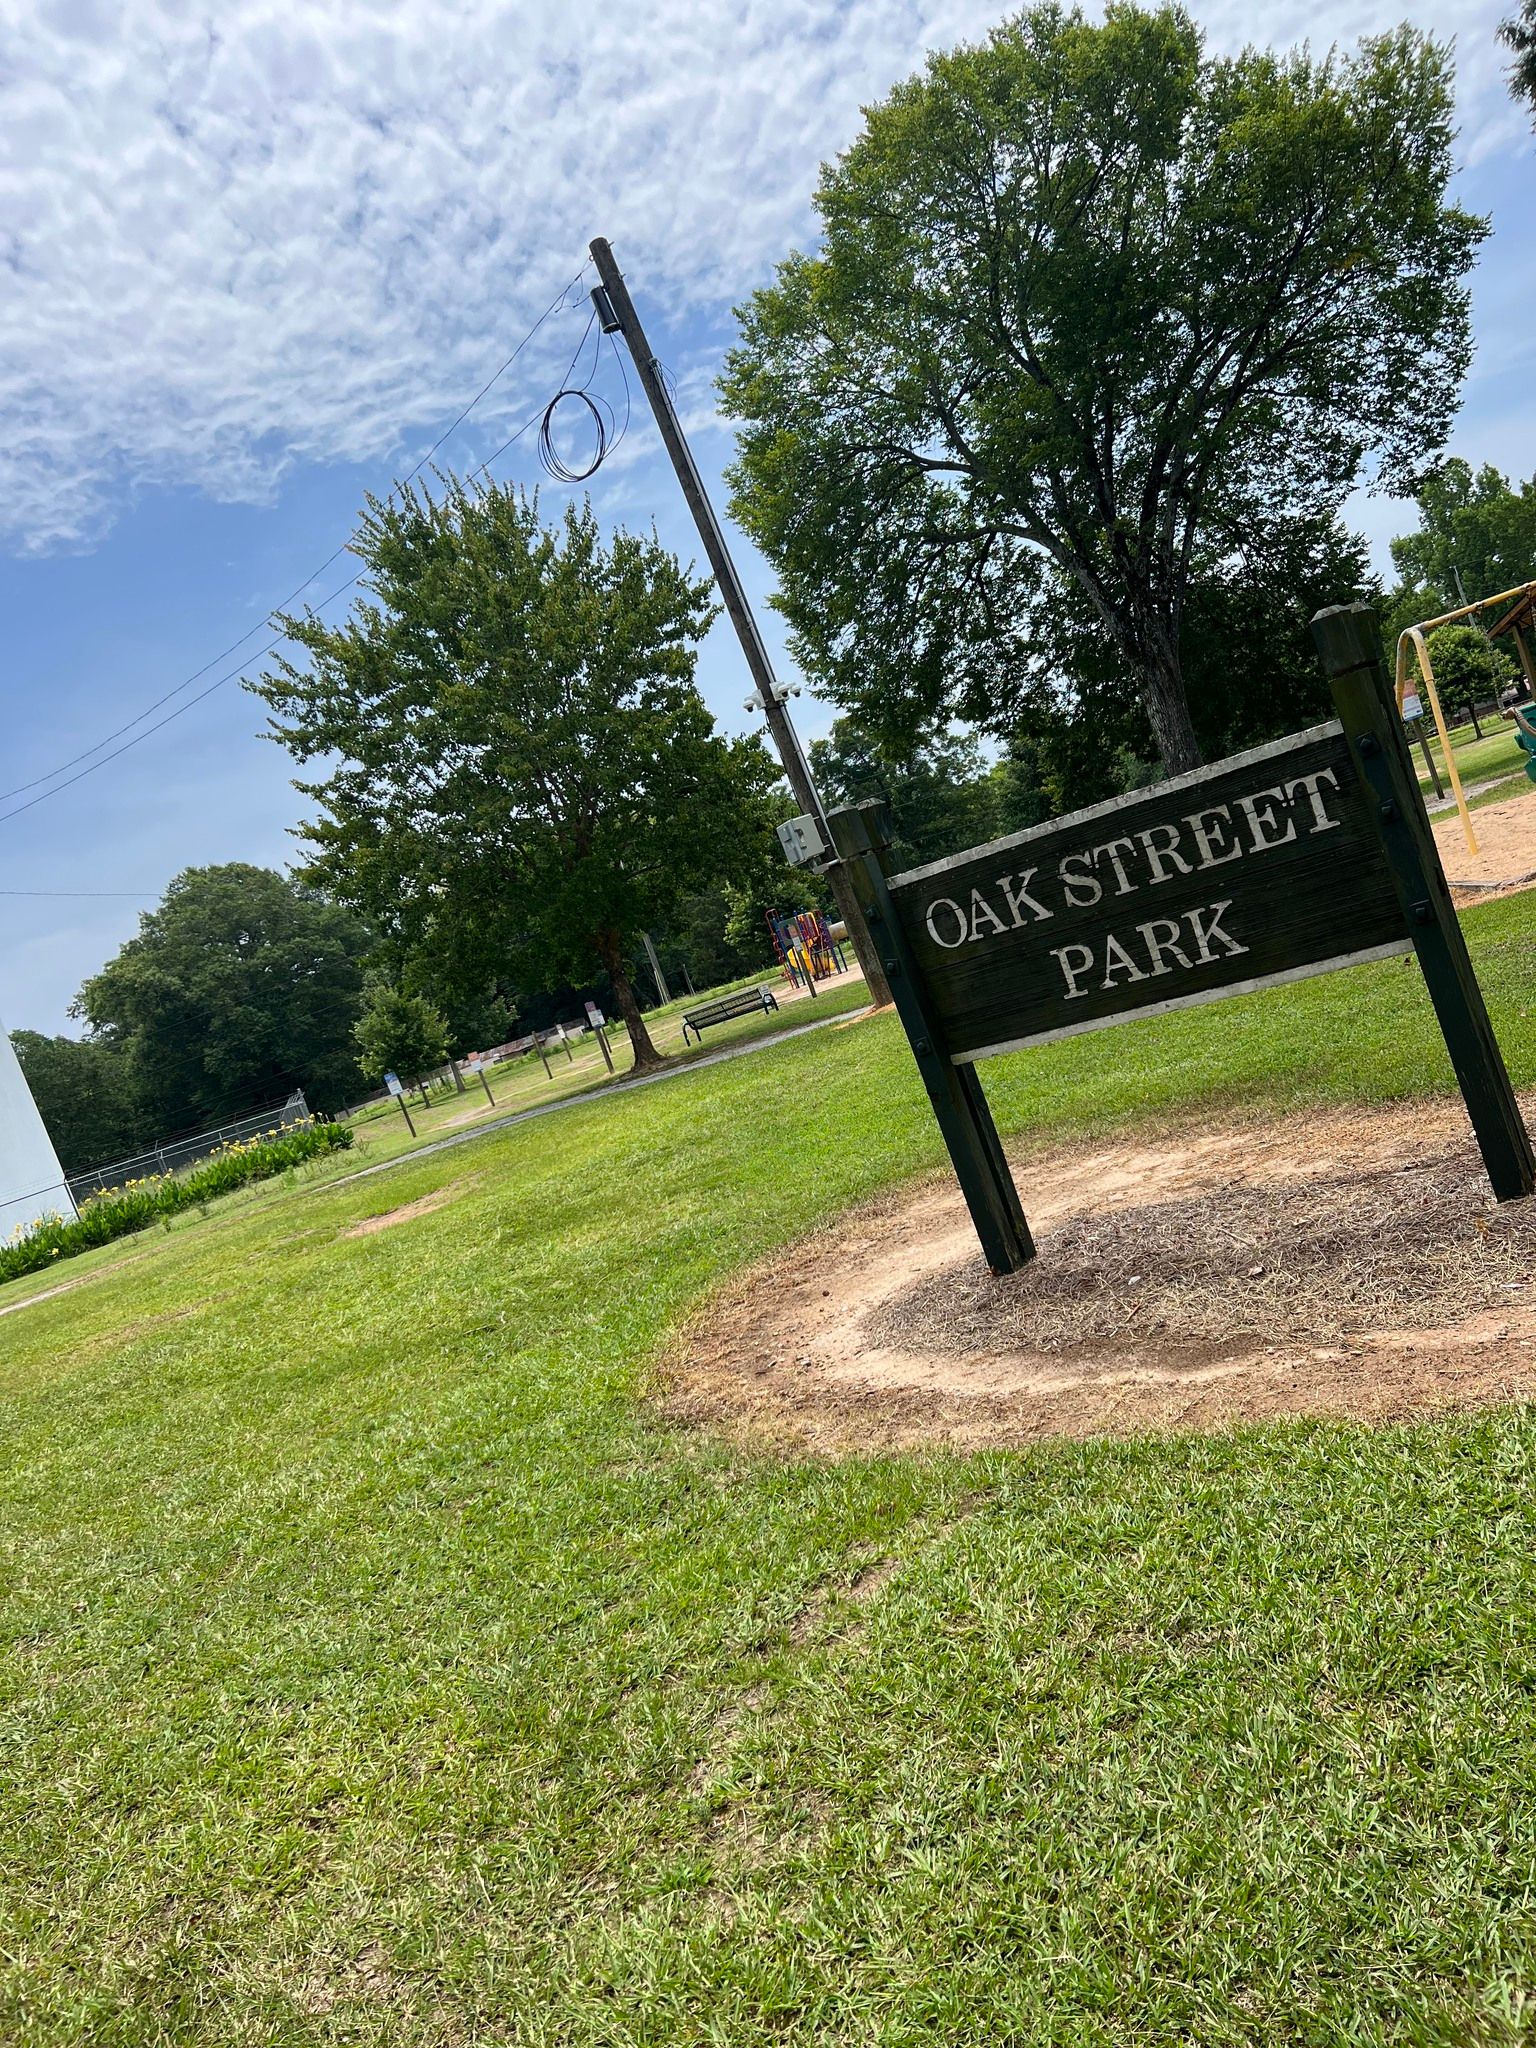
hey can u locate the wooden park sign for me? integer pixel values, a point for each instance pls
(1308, 854)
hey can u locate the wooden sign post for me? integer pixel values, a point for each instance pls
(1350, 645)
(1308, 854)
(477, 1068)
(597, 1020)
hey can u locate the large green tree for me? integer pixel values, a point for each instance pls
(241, 986)
(1476, 534)
(1088, 297)
(1468, 668)
(1248, 658)
(84, 1091)
(399, 1033)
(520, 771)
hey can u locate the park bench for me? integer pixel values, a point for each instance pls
(742, 1004)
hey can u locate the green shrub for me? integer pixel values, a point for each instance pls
(118, 1212)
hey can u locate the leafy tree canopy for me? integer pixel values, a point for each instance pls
(1090, 302)
(1074, 729)
(1519, 32)
(400, 1034)
(1248, 658)
(1472, 523)
(84, 1093)
(940, 796)
(1467, 667)
(240, 987)
(528, 776)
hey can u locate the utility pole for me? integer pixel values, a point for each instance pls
(616, 312)
(664, 994)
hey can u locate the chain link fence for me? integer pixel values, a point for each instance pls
(171, 1155)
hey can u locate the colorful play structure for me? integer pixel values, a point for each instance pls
(805, 947)
(1516, 622)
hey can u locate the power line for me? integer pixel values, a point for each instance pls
(180, 711)
(185, 684)
(562, 298)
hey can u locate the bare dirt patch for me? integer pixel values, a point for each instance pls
(1345, 1264)
(406, 1213)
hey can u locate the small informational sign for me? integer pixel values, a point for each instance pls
(392, 1083)
(595, 1017)
(1208, 885)
(1413, 706)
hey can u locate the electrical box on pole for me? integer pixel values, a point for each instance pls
(616, 315)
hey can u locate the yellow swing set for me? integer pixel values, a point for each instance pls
(1411, 645)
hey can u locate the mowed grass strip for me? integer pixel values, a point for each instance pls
(377, 1669)
(522, 1084)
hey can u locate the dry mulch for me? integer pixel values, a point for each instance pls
(1506, 843)
(1410, 1248)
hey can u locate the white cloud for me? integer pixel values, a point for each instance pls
(237, 240)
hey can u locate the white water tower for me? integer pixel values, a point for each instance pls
(32, 1183)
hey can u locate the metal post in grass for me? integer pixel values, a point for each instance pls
(1349, 643)
(396, 1088)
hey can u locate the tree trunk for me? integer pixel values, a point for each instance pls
(1167, 707)
(645, 1054)
(1145, 629)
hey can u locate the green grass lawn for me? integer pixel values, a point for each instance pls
(519, 1084)
(379, 1669)
(1477, 760)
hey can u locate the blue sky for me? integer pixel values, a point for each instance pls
(257, 259)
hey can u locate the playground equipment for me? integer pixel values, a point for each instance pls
(1516, 622)
(1525, 734)
(804, 946)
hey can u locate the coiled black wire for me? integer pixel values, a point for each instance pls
(601, 416)
(597, 409)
